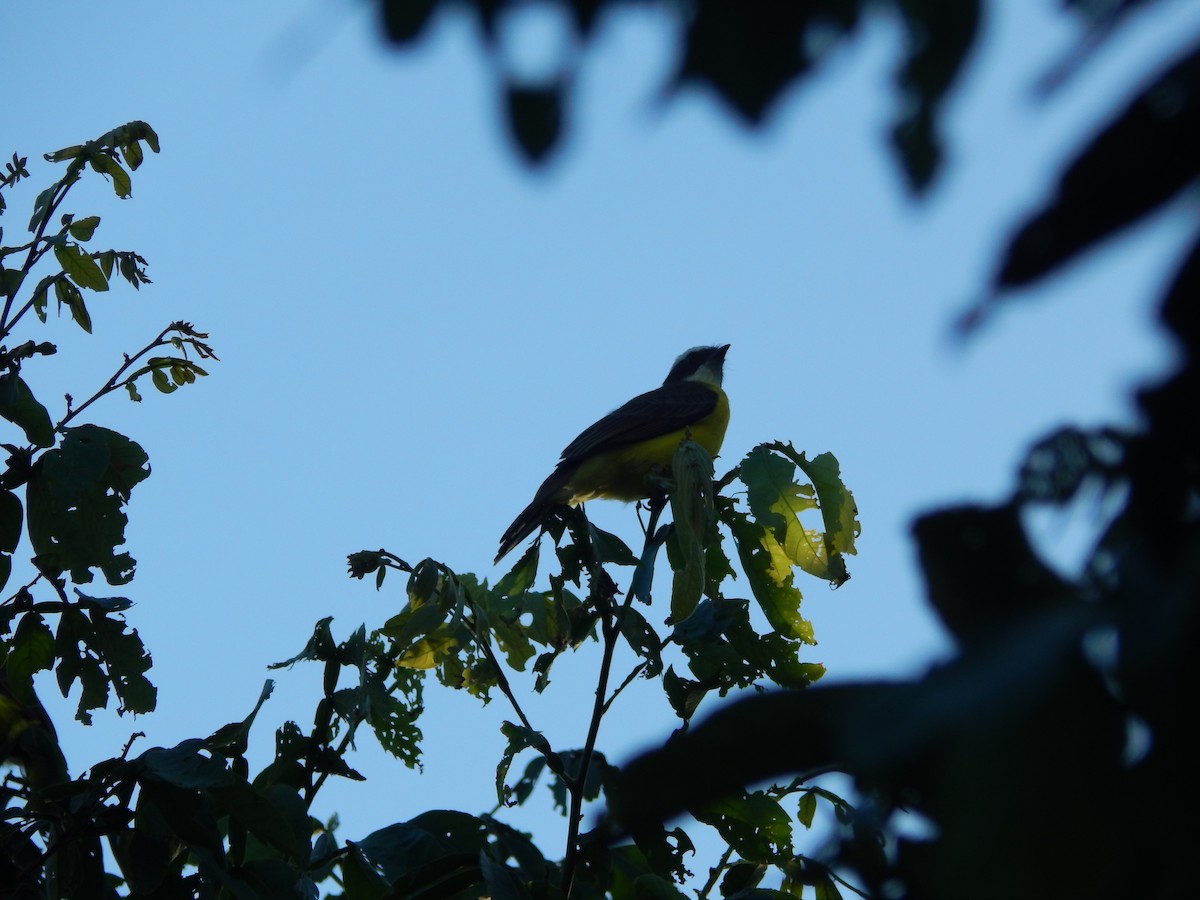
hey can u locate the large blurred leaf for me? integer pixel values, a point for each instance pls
(939, 36)
(1143, 158)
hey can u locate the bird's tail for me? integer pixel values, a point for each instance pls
(552, 493)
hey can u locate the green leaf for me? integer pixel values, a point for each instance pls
(838, 508)
(41, 207)
(39, 296)
(769, 571)
(826, 889)
(359, 877)
(277, 816)
(683, 694)
(808, 808)
(75, 497)
(64, 154)
(30, 650)
(777, 501)
(692, 511)
(521, 738)
(642, 638)
(609, 548)
(820, 555)
(67, 294)
(10, 281)
(106, 165)
(18, 405)
(83, 229)
(160, 381)
(521, 576)
(524, 785)
(184, 766)
(413, 623)
(513, 641)
(80, 266)
(741, 878)
(755, 825)
(430, 650)
(502, 883)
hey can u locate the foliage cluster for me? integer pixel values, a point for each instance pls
(1069, 699)
(192, 820)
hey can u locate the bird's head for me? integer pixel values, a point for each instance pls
(705, 364)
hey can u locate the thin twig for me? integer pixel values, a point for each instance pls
(629, 679)
(501, 679)
(34, 256)
(115, 382)
(715, 873)
(610, 625)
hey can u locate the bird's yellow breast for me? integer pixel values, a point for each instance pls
(620, 473)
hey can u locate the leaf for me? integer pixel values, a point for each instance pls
(939, 38)
(769, 571)
(75, 497)
(38, 299)
(742, 877)
(184, 766)
(524, 785)
(777, 501)
(30, 650)
(683, 694)
(501, 881)
(276, 816)
(692, 510)
(412, 624)
(80, 266)
(610, 548)
(642, 639)
(10, 279)
(513, 642)
(106, 165)
(807, 809)
(430, 650)
(521, 738)
(41, 207)
(1138, 162)
(521, 576)
(67, 294)
(83, 229)
(18, 405)
(755, 825)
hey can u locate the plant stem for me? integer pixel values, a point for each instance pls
(114, 382)
(714, 873)
(32, 258)
(611, 630)
(576, 785)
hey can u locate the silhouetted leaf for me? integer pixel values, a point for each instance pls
(1146, 156)
(80, 266)
(520, 738)
(939, 37)
(18, 405)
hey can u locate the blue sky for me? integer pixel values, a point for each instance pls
(411, 324)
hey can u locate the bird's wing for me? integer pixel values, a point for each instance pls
(657, 412)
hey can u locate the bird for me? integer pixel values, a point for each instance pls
(611, 458)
